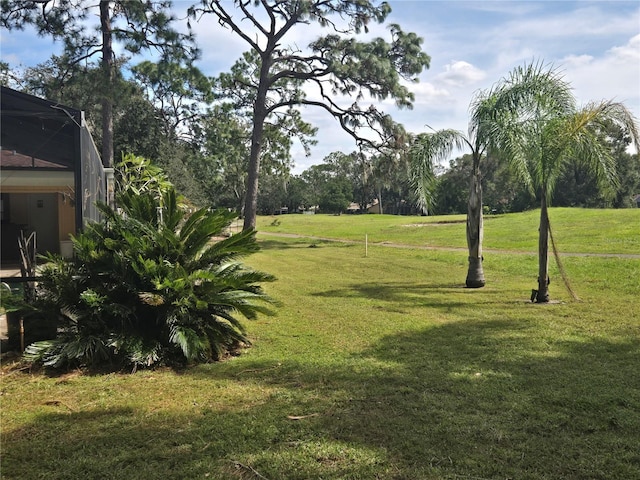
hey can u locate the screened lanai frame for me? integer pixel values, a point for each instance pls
(47, 148)
(53, 137)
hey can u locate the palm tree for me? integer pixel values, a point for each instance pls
(540, 135)
(491, 112)
(432, 148)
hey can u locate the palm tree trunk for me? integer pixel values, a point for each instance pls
(542, 295)
(475, 232)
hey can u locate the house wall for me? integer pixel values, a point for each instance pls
(66, 218)
(18, 209)
(42, 200)
(374, 209)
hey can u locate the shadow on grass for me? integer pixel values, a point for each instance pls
(435, 294)
(302, 242)
(461, 400)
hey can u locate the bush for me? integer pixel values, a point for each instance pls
(150, 284)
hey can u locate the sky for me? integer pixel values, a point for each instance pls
(472, 45)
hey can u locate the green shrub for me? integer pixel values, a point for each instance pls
(150, 284)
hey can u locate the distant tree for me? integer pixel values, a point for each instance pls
(385, 167)
(138, 25)
(336, 196)
(179, 93)
(452, 187)
(627, 166)
(137, 126)
(580, 187)
(629, 173)
(364, 191)
(502, 191)
(297, 194)
(8, 77)
(316, 177)
(223, 138)
(272, 75)
(223, 143)
(177, 159)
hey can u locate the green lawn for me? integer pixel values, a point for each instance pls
(378, 366)
(575, 230)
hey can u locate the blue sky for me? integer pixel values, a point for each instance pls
(472, 45)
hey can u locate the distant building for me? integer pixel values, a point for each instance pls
(373, 207)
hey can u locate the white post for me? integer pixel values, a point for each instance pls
(110, 187)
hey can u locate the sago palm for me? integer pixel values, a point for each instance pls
(152, 284)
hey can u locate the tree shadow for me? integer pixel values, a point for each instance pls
(473, 399)
(480, 400)
(506, 403)
(417, 295)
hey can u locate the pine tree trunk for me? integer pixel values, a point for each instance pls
(108, 79)
(475, 232)
(251, 197)
(542, 295)
(259, 117)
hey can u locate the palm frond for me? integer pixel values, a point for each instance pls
(231, 248)
(427, 151)
(192, 344)
(533, 88)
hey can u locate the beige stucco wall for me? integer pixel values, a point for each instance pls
(66, 217)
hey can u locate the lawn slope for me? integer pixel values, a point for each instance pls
(376, 366)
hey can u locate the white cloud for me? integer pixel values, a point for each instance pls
(460, 73)
(585, 22)
(428, 93)
(577, 61)
(612, 76)
(629, 52)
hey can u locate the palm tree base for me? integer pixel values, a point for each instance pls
(475, 283)
(475, 274)
(538, 296)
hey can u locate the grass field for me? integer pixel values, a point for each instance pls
(376, 367)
